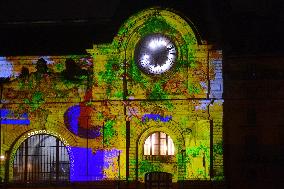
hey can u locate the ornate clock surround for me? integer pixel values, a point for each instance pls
(155, 54)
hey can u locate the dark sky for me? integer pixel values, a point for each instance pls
(34, 10)
(71, 26)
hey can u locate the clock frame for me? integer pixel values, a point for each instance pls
(155, 54)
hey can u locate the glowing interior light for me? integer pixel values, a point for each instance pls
(153, 44)
(165, 148)
(157, 43)
(147, 145)
(159, 143)
(171, 146)
(145, 60)
(170, 56)
(153, 142)
(155, 54)
(146, 57)
(29, 167)
(2, 157)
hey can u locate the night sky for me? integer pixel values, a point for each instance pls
(52, 27)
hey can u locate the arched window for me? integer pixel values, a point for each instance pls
(41, 159)
(159, 144)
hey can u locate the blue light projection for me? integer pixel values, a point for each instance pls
(203, 105)
(89, 166)
(156, 117)
(6, 68)
(7, 117)
(76, 120)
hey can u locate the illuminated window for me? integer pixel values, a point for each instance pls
(159, 143)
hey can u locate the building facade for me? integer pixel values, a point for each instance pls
(149, 103)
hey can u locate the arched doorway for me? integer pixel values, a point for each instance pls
(158, 180)
(160, 150)
(40, 159)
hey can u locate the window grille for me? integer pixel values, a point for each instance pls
(159, 144)
(41, 159)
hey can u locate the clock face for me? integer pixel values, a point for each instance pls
(155, 54)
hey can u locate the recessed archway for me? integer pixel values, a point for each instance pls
(41, 158)
(161, 163)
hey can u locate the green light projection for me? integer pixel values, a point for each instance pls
(176, 93)
(109, 91)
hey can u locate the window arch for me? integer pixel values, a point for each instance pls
(40, 159)
(159, 144)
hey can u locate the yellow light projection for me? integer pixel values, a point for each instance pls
(151, 101)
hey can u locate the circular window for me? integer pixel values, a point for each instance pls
(155, 54)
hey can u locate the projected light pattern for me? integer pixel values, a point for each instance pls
(77, 121)
(176, 102)
(96, 101)
(156, 117)
(6, 68)
(91, 165)
(203, 105)
(7, 117)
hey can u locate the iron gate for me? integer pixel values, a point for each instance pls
(41, 159)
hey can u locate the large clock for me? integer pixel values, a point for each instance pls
(155, 54)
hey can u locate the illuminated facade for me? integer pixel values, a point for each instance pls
(151, 101)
